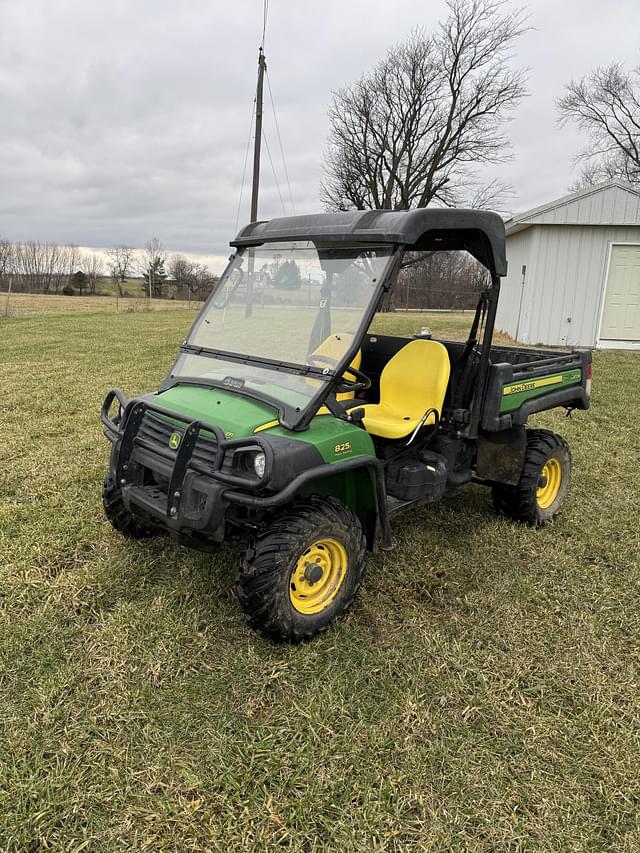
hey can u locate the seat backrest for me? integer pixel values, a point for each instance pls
(334, 348)
(416, 379)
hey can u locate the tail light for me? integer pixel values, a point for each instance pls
(588, 374)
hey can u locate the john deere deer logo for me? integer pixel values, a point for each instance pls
(174, 440)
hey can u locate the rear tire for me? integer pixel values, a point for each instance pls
(544, 481)
(121, 519)
(303, 570)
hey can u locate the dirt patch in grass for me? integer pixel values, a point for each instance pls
(482, 694)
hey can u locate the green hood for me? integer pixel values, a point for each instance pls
(237, 416)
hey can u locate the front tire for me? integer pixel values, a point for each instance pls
(121, 519)
(544, 481)
(303, 570)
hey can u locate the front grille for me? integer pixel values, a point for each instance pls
(204, 452)
(154, 433)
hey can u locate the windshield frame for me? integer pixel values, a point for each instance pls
(291, 417)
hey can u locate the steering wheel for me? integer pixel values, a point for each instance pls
(360, 383)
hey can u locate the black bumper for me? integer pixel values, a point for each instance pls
(190, 481)
(196, 483)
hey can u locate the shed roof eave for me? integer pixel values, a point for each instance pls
(529, 217)
(512, 227)
(517, 227)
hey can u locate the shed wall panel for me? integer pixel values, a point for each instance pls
(519, 252)
(566, 269)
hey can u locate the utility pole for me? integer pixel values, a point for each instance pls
(262, 64)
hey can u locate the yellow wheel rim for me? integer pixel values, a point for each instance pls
(549, 483)
(317, 576)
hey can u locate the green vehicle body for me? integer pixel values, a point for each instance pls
(517, 393)
(312, 449)
(240, 418)
(334, 440)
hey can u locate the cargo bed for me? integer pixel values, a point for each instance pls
(521, 380)
(524, 381)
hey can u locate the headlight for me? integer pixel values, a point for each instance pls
(251, 462)
(259, 462)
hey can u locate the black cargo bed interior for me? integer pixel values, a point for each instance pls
(378, 349)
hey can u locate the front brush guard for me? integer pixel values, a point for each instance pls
(188, 476)
(184, 472)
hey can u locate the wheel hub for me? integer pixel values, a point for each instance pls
(313, 573)
(317, 576)
(549, 483)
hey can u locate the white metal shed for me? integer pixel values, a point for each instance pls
(574, 270)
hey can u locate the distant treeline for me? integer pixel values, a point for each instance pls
(438, 280)
(49, 268)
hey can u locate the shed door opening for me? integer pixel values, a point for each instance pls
(621, 317)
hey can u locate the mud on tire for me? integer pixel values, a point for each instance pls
(265, 580)
(528, 502)
(119, 516)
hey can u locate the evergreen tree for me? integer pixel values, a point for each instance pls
(154, 277)
(79, 280)
(288, 276)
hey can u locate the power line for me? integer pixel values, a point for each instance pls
(246, 158)
(275, 177)
(284, 159)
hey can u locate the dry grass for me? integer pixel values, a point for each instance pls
(482, 695)
(27, 304)
(452, 325)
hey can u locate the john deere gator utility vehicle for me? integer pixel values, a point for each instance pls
(288, 426)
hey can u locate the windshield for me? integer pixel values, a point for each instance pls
(291, 311)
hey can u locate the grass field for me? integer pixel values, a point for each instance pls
(482, 694)
(27, 304)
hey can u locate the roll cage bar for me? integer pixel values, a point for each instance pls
(480, 233)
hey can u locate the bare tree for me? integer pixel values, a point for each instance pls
(114, 275)
(6, 258)
(201, 281)
(61, 260)
(191, 276)
(93, 268)
(414, 129)
(120, 261)
(68, 263)
(179, 268)
(438, 280)
(606, 105)
(40, 266)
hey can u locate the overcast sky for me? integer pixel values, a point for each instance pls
(128, 119)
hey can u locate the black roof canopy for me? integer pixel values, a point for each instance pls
(481, 233)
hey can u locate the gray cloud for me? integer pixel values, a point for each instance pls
(123, 120)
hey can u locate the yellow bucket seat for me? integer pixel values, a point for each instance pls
(412, 382)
